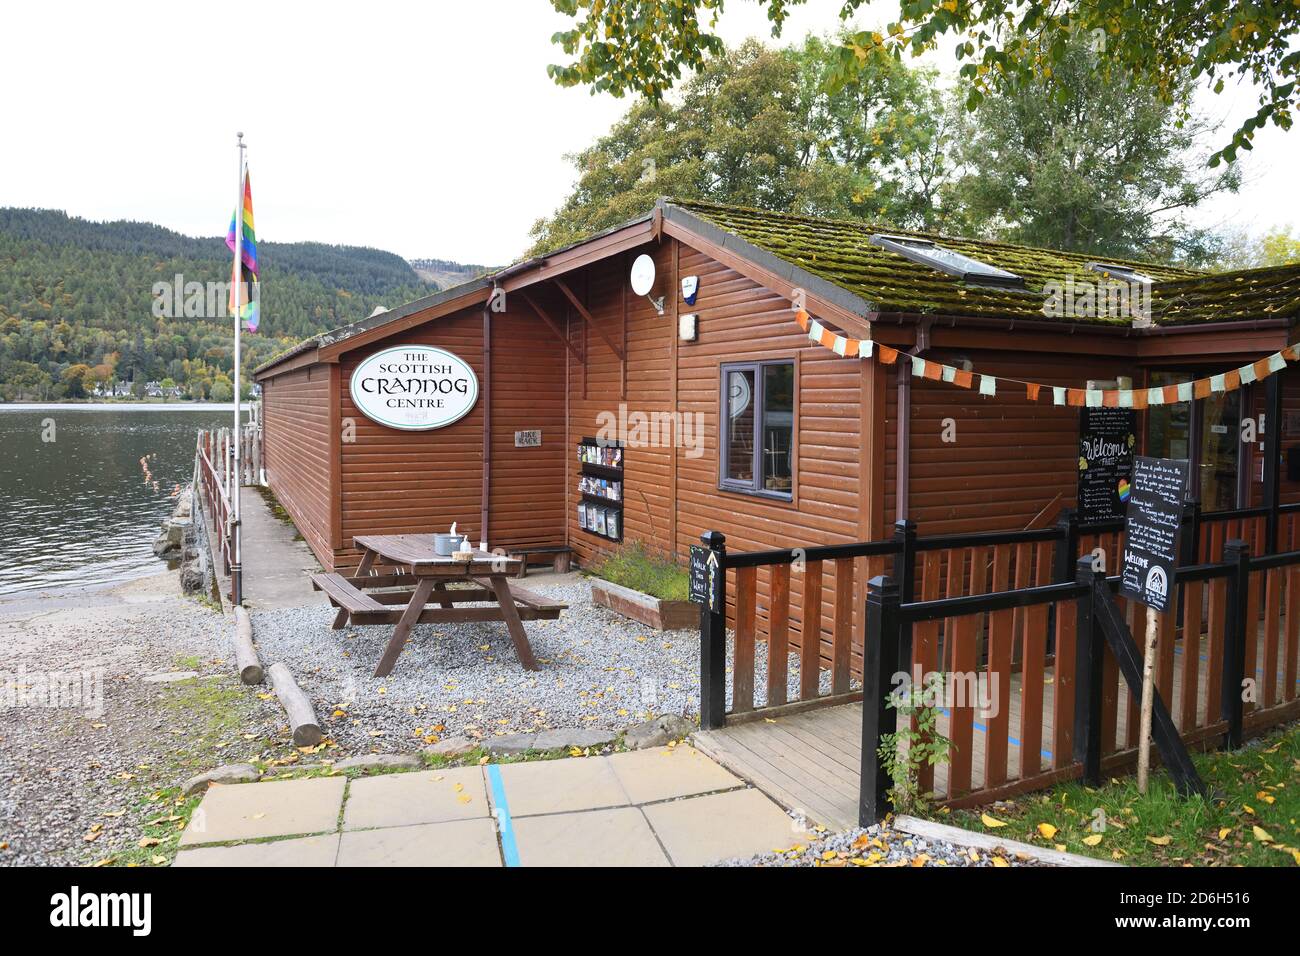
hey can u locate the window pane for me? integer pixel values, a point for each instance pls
(1220, 436)
(778, 427)
(1168, 426)
(740, 425)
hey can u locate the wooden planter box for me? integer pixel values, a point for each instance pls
(650, 611)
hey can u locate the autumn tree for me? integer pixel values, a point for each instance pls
(644, 47)
(1086, 161)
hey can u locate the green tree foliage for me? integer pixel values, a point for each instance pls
(1242, 250)
(1079, 162)
(1085, 161)
(757, 127)
(621, 46)
(76, 293)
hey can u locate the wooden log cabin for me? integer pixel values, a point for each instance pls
(799, 445)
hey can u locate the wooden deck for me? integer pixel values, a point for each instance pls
(811, 762)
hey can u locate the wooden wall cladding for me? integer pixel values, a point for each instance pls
(296, 450)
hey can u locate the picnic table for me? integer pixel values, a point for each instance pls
(401, 581)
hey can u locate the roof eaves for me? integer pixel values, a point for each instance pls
(345, 332)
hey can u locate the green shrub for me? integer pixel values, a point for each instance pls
(632, 566)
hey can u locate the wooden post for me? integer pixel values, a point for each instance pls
(302, 718)
(713, 643)
(1272, 458)
(879, 664)
(250, 668)
(1237, 630)
(1090, 650)
(1148, 700)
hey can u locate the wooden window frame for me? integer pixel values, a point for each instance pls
(753, 489)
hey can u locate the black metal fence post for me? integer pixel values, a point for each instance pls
(1090, 649)
(1067, 547)
(1189, 540)
(1237, 631)
(713, 643)
(905, 576)
(905, 560)
(879, 665)
(1065, 552)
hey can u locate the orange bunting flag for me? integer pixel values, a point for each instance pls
(1139, 398)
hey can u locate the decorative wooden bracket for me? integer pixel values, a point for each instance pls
(555, 326)
(582, 311)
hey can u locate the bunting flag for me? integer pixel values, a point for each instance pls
(249, 310)
(1138, 398)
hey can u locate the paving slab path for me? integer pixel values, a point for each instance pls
(277, 563)
(670, 806)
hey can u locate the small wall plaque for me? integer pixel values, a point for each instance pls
(529, 439)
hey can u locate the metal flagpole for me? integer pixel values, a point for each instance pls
(236, 569)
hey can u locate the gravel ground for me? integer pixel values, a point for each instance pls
(114, 739)
(880, 845)
(79, 781)
(599, 670)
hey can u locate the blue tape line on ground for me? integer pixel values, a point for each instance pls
(505, 826)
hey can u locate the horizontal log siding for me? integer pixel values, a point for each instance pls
(738, 320)
(1011, 456)
(398, 482)
(297, 431)
(527, 484)
(597, 388)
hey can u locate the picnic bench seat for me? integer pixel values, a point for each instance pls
(343, 594)
(557, 554)
(385, 607)
(545, 607)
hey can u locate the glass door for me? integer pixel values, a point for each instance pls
(1170, 435)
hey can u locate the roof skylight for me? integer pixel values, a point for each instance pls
(965, 268)
(1127, 273)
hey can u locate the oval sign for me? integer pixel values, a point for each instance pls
(414, 387)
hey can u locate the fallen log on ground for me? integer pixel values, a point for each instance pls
(250, 668)
(302, 718)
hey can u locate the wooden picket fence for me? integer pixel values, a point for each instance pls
(1006, 608)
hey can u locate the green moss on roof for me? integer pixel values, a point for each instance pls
(840, 252)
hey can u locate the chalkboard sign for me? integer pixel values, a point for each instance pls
(1155, 510)
(706, 579)
(1107, 437)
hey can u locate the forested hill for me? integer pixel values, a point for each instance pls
(77, 303)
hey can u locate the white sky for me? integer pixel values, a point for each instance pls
(427, 128)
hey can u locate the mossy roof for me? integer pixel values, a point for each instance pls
(840, 252)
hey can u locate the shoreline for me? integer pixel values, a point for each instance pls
(146, 587)
(129, 406)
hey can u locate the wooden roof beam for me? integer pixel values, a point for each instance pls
(582, 311)
(555, 326)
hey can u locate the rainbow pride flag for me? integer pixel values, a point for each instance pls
(250, 310)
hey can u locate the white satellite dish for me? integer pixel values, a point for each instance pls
(643, 275)
(643, 280)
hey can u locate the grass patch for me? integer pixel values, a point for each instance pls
(632, 566)
(209, 707)
(1252, 819)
